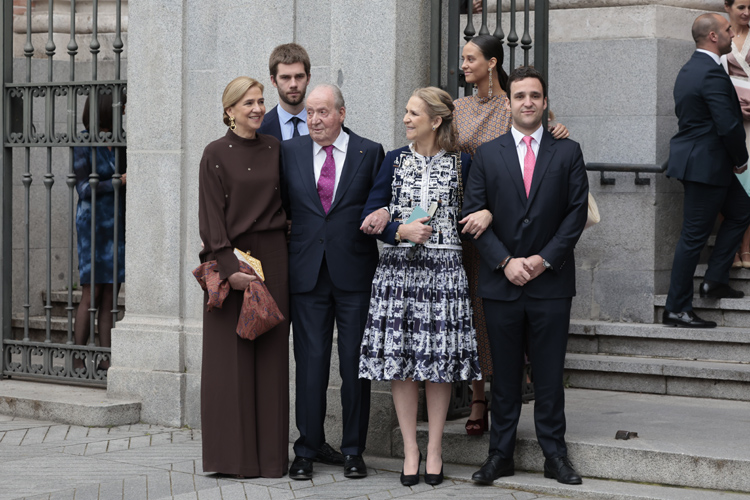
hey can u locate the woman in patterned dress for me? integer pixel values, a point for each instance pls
(105, 226)
(481, 118)
(419, 325)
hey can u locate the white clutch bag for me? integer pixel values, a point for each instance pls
(593, 217)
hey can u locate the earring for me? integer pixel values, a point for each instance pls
(489, 93)
(433, 129)
(232, 125)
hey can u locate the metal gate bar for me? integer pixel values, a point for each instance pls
(25, 357)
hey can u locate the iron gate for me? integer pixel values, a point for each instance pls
(43, 347)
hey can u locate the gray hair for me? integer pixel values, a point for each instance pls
(338, 97)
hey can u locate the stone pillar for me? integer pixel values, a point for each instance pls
(181, 56)
(149, 345)
(612, 72)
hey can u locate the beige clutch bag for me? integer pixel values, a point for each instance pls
(593, 217)
(250, 261)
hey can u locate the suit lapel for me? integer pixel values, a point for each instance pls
(546, 152)
(307, 171)
(510, 160)
(276, 125)
(354, 156)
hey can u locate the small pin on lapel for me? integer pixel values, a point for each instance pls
(361, 151)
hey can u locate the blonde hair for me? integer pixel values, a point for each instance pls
(438, 103)
(234, 92)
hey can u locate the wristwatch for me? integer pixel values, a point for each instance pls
(397, 237)
(546, 264)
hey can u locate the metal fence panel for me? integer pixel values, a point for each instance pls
(32, 112)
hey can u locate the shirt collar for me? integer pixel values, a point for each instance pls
(341, 143)
(709, 53)
(518, 136)
(285, 116)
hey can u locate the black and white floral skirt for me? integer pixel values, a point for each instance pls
(420, 321)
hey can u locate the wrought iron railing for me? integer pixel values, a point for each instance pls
(45, 356)
(638, 169)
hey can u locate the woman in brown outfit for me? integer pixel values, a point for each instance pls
(244, 383)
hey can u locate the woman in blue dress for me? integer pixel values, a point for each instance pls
(419, 325)
(104, 229)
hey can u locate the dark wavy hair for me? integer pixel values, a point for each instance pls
(493, 47)
(105, 116)
(524, 72)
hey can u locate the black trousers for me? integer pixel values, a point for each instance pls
(702, 204)
(313, 314)
(545, 322)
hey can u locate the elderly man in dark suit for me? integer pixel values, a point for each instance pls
(537, 189)
(327, 178)
(289, 65)
(706, 152)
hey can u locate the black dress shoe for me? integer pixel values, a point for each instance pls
(561, 469)
(329, 456)
(686, 319)
(433, 479)
(412, 479)
(354, 466)
(715, 290)
(493, 468)
(301, 469)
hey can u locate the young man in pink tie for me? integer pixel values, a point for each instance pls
(537, 189)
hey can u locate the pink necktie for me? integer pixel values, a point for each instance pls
(528, 165)
(327, 179)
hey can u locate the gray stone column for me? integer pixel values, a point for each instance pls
(148, 345)
(612, 71)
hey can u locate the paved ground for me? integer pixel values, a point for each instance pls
(43, 460)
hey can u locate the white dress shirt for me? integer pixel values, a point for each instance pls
(713, 56)
(339, 156)
(536, 138)
(287, 125)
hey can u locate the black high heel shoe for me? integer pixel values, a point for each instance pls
(412, 479)
(433, 479)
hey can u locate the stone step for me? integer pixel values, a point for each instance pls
(738, 278)
(38, 328)
(688, 442)
(59, 302)
(678, 377)
(659, 341)
(726, 312)
(591, 489)
(72, 405)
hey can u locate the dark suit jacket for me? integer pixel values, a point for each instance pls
(711, 136)
(271, 125)
(549, 223)
(350, 254)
